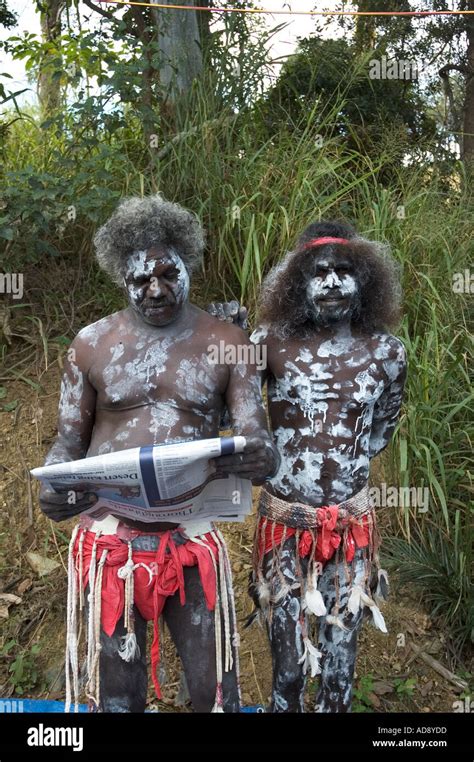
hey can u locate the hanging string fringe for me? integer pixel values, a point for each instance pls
(353, 516)
(129, 649)
(226, 635)
(71, 665)
(224, 613)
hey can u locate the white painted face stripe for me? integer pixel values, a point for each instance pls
(139, 267)
(318, 286)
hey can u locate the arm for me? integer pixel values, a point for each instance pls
(228, 312)
(243, 399)
(387, 407)
(258, 338)
(75, 424)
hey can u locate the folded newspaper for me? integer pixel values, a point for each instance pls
(175, 482)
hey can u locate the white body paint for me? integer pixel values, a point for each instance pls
(342, 388)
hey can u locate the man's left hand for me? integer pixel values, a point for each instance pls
(258, 460)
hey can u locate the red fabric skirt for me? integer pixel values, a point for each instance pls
(150, 594)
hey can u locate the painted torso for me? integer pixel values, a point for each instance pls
(148, 385)
(322, 393)
(151, 390)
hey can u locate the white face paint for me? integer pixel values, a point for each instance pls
(139, 265)
(333, 293)
(305, 355)
(320, 286)
(157, 286)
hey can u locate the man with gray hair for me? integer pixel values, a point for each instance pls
(143, 376)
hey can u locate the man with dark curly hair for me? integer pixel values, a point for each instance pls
(335, 382)
(138, 377)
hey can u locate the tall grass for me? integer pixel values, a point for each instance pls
(254, 193)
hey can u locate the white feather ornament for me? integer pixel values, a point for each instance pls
(353, 604)
(366, 599)
(383, 585)
(313, 600)
(379, 621)
(263, 590)
(336, 621)
(310, 658)
(282, 593)
(377, 615)
(315, 603)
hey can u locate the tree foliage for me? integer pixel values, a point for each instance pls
(7, 18)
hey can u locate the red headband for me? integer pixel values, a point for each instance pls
(321, 241)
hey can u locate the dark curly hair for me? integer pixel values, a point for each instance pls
(284, 303)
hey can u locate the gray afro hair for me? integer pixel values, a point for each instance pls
(139, 224)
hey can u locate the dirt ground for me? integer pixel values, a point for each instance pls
(389, 678)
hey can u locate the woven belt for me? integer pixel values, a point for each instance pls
(304, 516)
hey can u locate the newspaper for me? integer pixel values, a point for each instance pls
(172, 483)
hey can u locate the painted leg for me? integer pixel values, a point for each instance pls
(193, 633)
(285, 634)
(123, 685)
(339, 647)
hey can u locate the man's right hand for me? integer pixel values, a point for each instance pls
(229, 312)
(58, 506)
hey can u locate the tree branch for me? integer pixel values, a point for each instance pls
(110, 17)
(444, 71)
(101, 11)
(448, 90)
(438, 667)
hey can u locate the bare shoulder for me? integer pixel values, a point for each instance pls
(91, 337)
(217, 329)
(388, 346)
(391, 351)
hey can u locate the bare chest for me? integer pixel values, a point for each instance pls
(133, 372)
(325, 377)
